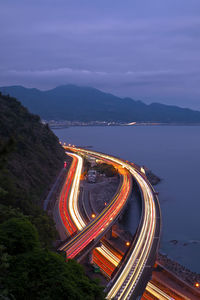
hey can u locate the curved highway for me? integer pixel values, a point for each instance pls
(104, 255)
(78, 221)
(132, 271)
(68, 200)
(98, 227)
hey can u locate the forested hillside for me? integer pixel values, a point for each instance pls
(35, 155)
(30, 159)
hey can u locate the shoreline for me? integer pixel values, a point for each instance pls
(62, 124)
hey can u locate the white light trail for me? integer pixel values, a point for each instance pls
(131, 273)
(73, 199)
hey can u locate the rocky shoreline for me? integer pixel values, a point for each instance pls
(153, 179)
(180, 271)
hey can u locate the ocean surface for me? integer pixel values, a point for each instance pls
(172, 153)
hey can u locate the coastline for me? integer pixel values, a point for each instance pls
(61, 124)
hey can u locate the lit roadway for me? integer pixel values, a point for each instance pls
(133, 272)
(102, 222)
(71, 205)
(109, 255)
(157, 292)
(70, 195)
(70, 215)
(68, 201)
(105, 257)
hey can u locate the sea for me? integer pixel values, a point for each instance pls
(173, 154)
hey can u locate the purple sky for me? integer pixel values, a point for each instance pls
(148, 50)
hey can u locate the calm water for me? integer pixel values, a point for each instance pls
(171, 152)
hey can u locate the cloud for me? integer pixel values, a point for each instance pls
(144, 49)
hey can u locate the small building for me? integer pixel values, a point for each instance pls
(92, 176)
(92, 161)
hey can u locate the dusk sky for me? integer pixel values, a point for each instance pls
(147, 50)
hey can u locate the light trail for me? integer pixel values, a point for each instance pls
(73, 198)
(136, 262)
(126, 281)
(102, 221)
(68, 201)
(105, 265)
(77, 217)
(158, 293)
(103, 250)
(63, 200)
(95, 229)
(115, 260)
(109, 255)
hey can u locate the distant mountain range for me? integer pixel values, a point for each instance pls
(86, 104)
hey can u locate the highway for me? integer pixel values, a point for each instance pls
(73, 198)
(108, 260)
(157, 292)
(68, 200)
(133, 270)
(102, 222)
(76, 217)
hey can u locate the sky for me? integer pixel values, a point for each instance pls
(146, 50)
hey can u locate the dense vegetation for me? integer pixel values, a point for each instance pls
(101, 168)
(106, 169)
(30, 158)
(29, 271)
(87, 104)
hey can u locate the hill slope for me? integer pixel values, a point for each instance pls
(36, 157)
(30, 158)
(86, 104)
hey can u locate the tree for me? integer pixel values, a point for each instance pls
(41, 274)
(18, 235)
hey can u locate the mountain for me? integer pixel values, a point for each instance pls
(74, 103)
